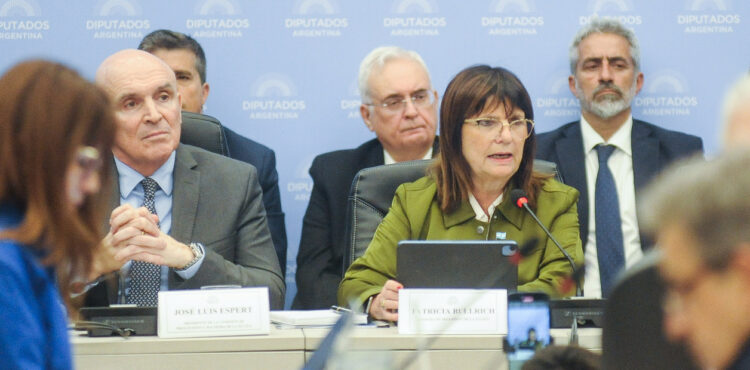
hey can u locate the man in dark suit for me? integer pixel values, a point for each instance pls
(605, 76)
(399, 105)
(201, 221)
(186, 58)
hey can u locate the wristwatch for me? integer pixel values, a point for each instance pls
(197, 249)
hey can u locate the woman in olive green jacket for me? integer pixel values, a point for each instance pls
(486, 149)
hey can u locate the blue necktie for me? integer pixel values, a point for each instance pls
(145, 278)
(609, 247)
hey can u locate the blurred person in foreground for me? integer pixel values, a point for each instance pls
(700, 213)
(56, 130)
(736, 115)
(486, 148)
(563, 358)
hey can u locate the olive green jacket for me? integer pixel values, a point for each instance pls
(415, 215)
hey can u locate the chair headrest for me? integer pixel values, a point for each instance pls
(203, 131)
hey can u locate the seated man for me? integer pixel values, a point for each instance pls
(186, 58)
(606, 77)
(399, 105)
(202, 220)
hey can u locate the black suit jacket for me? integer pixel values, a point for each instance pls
(653, 148)
(216, 201)
(320, 260)
(264, 160)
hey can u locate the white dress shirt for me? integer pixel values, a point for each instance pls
(387, 159)
(621, 166)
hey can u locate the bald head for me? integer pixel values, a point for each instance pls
(736, 115)
(126, 63)
(143, 91)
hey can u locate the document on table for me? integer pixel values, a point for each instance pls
(312, 318)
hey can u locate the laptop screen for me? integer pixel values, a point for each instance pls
(457, 264)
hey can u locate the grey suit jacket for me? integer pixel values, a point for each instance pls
(653, 148)
(216, 201)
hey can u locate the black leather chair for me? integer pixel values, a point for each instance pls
(204, 132)
(372, 193)
(633, 335)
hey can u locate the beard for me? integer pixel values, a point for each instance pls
(611, 104)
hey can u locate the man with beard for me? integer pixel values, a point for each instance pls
(605, 67)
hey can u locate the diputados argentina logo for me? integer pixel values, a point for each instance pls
(118, 19)
(414, 18)
(351, 104)
(304, 24)
(557, 100)
(302, 187)
(217, 19)
(514, 17)
(666, 95)
(709, 16)
(619, 10)
(20, 20)
(275, 97)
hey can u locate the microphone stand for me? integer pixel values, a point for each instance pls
(525, 205)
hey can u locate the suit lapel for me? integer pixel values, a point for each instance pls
(374, 155)
(646, 161)
(646, 164)
(184, 195)
(569, 152)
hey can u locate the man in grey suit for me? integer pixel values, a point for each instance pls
(184, 217)
(605, 77)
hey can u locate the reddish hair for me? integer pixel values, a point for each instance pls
(47, 113)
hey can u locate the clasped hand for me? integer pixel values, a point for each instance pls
(134, 235)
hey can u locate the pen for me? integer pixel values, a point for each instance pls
(340, 309)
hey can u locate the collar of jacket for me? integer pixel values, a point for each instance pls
(464, 213)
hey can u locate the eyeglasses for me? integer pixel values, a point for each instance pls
(520, 128)
(89, 159)
(397, 104)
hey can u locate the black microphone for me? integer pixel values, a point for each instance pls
(519, 198)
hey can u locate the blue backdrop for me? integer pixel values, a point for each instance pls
(285, 72)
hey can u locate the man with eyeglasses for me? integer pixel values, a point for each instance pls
(605, 77)
(700, 212)
(400, 106)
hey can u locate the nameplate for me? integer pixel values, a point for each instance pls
(213, 312)
(453, 311)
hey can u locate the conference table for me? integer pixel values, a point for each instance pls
(291, 348)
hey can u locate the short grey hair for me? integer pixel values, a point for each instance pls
(376, 60)
(709, 198)
(738, 95)
(605, 25)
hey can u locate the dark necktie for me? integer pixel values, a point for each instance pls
(145, 278)
(609, 247)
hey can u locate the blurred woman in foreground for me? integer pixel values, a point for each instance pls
(56, 130)
(487, 145)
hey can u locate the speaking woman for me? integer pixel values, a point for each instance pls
(487, 147)
(56, 130)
